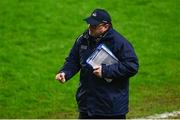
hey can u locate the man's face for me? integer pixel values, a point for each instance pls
(96, 30)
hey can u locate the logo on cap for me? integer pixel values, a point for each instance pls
(94, 14)
(104, 21)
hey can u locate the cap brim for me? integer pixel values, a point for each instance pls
(92, 21)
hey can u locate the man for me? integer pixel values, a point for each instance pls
(97, 98)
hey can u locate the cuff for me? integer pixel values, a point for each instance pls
(104, 71)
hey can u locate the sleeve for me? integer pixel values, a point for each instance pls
(72, 64)
(127, 66)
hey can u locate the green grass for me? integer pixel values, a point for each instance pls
(36, 36)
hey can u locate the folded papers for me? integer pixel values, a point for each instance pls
(102, 55)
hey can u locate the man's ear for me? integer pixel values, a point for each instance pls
(107, 26)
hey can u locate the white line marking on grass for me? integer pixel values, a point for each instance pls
(164, 115)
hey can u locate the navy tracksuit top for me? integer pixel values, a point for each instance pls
(96, 96)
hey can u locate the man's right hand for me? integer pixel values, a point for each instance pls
(61, 77)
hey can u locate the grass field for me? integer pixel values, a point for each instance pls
(36, 36)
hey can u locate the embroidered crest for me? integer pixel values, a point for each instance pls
(83, 47)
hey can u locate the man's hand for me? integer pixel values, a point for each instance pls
(98, 71)
(61, 77)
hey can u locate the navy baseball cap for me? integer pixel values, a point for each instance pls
(98, 16)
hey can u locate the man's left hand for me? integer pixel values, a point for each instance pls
(98, 71)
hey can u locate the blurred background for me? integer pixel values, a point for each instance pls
(36, 36)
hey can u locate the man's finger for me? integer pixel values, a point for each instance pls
(62, 78)
(57, 77)
(95, 71)
(96, 68)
